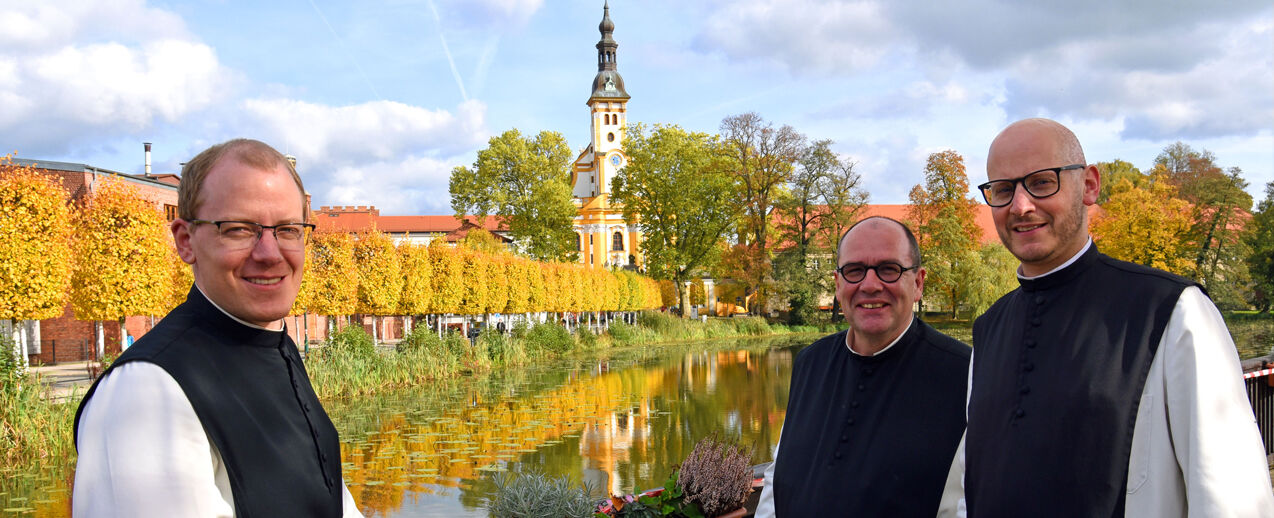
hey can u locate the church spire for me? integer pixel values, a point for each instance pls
(608, 84)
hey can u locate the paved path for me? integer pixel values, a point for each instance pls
(65, 380)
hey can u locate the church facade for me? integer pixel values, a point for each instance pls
(605, 238)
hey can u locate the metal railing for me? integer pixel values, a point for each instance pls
(1258, 380)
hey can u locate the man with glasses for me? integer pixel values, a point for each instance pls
(211, 413)
(874, 413)
(1098, 387)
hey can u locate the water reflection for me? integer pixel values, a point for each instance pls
(618, 423)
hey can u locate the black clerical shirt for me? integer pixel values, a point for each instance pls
(872, 435)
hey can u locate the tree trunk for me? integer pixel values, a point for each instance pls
(100, 333)
(123, 336)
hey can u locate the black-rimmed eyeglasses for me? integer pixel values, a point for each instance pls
(854, 273)
(240, 235)
(1039, 184)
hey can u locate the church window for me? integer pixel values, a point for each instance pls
(617, 241)
(610, 137)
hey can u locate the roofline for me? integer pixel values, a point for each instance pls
(72, 167)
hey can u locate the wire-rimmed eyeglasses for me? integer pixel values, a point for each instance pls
(239, 235)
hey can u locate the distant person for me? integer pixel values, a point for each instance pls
(1098, 387)
(874, 413)
(211, 413)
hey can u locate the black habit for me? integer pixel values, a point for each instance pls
(1059, 371)
(253, 397)
(871, 435)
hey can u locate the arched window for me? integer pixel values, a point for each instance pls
(617, 241)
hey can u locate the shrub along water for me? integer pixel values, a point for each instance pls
(349, 364)
(34, 430)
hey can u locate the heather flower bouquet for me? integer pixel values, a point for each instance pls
(713, 481)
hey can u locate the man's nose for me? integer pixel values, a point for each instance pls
(267, 248)
(1022, 202)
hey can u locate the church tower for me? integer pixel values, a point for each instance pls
(605, 238)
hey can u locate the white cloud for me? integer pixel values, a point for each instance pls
(802, 36)
(395, 156)
(66, 82)
(1190, 69)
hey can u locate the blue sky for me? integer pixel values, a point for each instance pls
(380, 100)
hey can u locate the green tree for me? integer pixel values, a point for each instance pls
(122, 258)
(1218, 201)
(35, 247)
(677, 188)
(523, 182)
(1115, 171)
(761, 160)
(1260, 240)
(943, 218)
(1145, 226)
(994, 274)
(823, 193)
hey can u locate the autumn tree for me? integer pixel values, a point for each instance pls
(1260, 240)
(943, 217)
(823, 194)
(35, 248)
(1145, 226)
(122, 258)
(761, 160)
(522, 181)
(448, 284)
(473, 272)
(417, 281)
(331, 280)
(1218, 201)
(678, 190)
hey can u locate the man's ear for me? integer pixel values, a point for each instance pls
(1092, 184)
(181, 237)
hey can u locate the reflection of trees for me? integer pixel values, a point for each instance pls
(621, 423)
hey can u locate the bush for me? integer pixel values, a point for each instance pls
(533, 494)
(622, 332)
(422, 339)
(350, 342)
(587, 338)
(550, 337)
(9, 365)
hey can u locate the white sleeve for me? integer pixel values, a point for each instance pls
(1214, 433)
(765, 505)
(961, 510)
(349, 509)
(143, 452)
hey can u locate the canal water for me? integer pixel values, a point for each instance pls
(617, 422)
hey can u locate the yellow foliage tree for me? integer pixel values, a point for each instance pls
(667, 293)
(497, 284)
(35, 247)
(473, 272)
(123, 266)
(330, 281)
(180, 276)
(445, 265)
(518, 271)
(417, 272)
(380, 276)
(1145, 226)
(35, 244)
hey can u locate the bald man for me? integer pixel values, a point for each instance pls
(1098, 387)
(874, 413)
